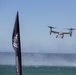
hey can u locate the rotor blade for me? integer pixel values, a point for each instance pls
(51, 27)
(71, 28)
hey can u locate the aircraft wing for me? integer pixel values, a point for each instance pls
(55, 32)
(66, 33)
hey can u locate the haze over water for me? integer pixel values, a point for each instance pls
(39, 59)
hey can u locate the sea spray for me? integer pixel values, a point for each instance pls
(39, 59)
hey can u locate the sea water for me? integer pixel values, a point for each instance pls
(39, 64)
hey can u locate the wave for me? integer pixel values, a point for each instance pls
(40, 59)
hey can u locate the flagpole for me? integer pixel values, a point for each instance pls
(18, 63)
(17, 46)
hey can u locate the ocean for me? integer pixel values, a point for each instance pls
(39, 64)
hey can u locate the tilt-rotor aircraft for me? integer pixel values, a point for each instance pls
(61, 34)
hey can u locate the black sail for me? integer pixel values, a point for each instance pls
(17, 45)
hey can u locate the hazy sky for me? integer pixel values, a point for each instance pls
(35, 16)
